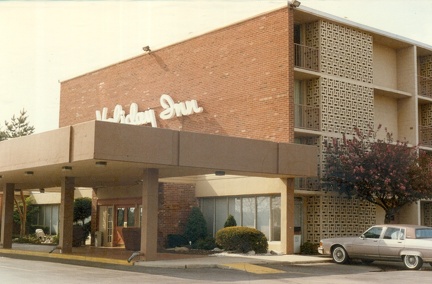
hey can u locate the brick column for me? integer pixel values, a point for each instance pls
(7, 215)
(149, 223)
(66, 214)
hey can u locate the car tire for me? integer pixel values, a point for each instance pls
(340, 255)
(413, 262)
(367, 261)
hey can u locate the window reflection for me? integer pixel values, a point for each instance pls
(260, 212)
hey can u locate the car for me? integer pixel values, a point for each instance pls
(411, 244)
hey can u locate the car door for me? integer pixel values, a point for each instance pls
(392, 242)
(367, 244)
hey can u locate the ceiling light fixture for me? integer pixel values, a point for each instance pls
(101, 164)
(66, 168)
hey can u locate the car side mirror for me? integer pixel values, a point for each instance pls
(362, 237)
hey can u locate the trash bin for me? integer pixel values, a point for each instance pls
(98, 239)
(297, 243)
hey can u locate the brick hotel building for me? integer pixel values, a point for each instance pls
(233, 121)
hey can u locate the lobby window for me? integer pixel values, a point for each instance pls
(260, 212)
(49, 217)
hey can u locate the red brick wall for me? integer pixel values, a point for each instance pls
(175, 204)
(238, 74)
(1, 209)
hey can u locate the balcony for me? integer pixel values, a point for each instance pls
(426, 136)
(425, 86)
(307, 117)
(306, 57)
(309, 184)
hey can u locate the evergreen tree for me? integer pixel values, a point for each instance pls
(230, 221)
(17, 127)
(196, 226)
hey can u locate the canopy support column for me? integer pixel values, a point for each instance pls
(287, 218)
(7, 215)
(66, 214)
(149, 223)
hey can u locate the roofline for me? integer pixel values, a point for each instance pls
(363, 27)
(181, 41)
(302, 8)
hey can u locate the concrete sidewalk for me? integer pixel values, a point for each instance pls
(119, 256)
(223, 260)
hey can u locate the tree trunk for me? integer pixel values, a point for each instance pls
(22, 213)
(390, 216)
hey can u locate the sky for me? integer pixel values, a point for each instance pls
(47, 42)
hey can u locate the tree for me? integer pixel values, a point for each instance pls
(388, 173)
(82, 209)
(17, 127)
(230, 221)
(196, 226)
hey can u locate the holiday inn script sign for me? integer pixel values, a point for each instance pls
(135, 117)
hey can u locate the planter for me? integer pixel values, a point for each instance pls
(132, 238)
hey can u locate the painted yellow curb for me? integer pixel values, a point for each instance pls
(65, 256)
(252, 268)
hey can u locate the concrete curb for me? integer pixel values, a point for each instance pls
(222, 260)
(56, 256)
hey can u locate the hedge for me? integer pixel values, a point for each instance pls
(242, 239)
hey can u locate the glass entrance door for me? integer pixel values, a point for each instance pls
(125, 217)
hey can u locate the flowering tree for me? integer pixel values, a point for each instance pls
(388, 173)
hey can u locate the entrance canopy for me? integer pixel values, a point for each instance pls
(100, 153)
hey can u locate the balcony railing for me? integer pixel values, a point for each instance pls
(310, 184)
(307, 117)
(426, 136)
(425, 86)
(306, 57)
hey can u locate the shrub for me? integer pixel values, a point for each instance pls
(242, 239)
(196, 226)
(230, 221)
(208, 243)
(175, 240)
(82, 209)
(28, 239)
(55, 239)
(309, 248)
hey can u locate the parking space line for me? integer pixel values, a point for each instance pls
(252, 268)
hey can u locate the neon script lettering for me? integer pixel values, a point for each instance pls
(135, 117)
(172, 109)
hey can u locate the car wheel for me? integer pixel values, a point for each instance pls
(340, 255)
(413, 262)
(367, 261)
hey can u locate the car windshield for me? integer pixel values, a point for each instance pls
(373, 233)
(424, 233)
